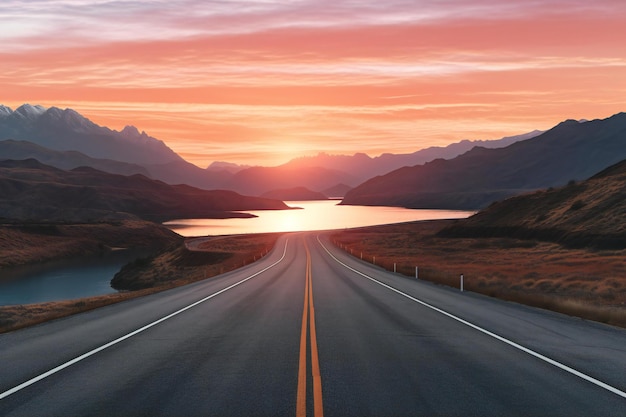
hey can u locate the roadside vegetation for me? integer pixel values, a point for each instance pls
(29, 242)
(581, 282)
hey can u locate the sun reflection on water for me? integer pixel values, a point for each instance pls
(313, 215)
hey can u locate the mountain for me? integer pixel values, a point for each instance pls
(363, 167)
(11, 149)
(572, 150)
(589, 213)
(259, 180)
(294, 194)
(67, 130)
(337, 191)
(220, 166)
(32, 191)
(183, 172)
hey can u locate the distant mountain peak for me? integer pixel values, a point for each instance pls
(30, 112)
(226, 166)
(72, 119)
(572, 122)
(5, 111)
(131, 131)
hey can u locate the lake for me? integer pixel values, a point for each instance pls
(64, 279)
(313, 215)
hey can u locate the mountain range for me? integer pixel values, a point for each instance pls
(11, 149)
(572, 150)
(459, 176)
(74, 140)
(31, 191)
(363, 167)
(67, 130)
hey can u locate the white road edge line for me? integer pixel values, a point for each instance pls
(487, 332)
(134, 333)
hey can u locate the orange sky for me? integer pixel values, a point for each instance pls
(259, 82)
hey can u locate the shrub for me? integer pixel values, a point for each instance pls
(577, 205)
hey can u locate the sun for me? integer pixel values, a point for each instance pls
(285, 151)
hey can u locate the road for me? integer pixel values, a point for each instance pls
(310, 330)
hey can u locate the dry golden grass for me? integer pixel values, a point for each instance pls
(175, 267)
(580, 282)
(33, 243)
(213, 256)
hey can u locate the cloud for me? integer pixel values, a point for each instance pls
(43, 23)
(327, 74)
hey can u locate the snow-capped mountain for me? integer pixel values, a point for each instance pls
(28, 112)
(67, 130)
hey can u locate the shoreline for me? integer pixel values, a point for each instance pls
(14, 317)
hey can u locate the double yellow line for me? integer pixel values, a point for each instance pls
(308, 317)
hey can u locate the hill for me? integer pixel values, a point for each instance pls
(31, 191)
(259, 180)
(337, 191)
(18, 150)
(571, 150)
(591, 213)
(294, 194)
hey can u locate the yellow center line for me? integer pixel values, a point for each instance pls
(309, 311)
(301, 398)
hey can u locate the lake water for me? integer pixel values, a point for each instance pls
(313, 215)
(63, 280)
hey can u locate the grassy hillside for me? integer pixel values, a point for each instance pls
(588, 213)
(22, 244)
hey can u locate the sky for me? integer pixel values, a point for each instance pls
(262, 81)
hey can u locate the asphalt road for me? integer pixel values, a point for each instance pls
(309, 330)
